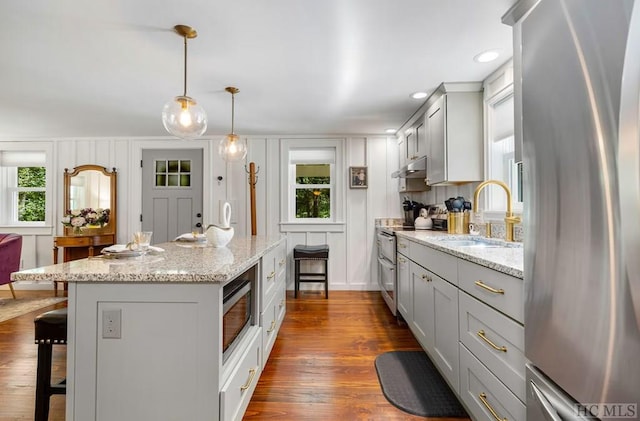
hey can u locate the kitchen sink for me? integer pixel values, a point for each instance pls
(478, 243)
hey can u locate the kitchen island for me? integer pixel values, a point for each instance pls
(145, 334)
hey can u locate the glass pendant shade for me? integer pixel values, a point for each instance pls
(231, 148)
(184, 118)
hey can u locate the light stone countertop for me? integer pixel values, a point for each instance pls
(179, 262)
(509, 258)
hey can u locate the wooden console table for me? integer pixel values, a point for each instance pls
(78, 247)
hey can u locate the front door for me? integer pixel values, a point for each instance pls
(171, 192)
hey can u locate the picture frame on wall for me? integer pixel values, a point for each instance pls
(358, 178)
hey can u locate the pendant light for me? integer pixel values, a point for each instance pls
(231, 148)
(183, 116)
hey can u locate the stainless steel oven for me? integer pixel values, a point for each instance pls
(238, 304)
(386, 242)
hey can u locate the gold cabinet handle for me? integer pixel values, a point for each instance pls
(487, 340)
(273, 326)
(402, 246)
(488, 288)
(483, 398)
(282, 303)
(402, 260)
(271, 275)
(252, 374)
(282, 262)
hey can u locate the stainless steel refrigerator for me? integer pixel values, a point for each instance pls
(581, 148)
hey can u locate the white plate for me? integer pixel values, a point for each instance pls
(198, 239)
(122, 254)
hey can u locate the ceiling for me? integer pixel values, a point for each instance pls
(105, 68)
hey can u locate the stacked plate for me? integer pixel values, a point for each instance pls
(119, 251)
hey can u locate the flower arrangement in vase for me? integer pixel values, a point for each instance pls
(85, 218)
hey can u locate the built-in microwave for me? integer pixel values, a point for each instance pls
(238, 310)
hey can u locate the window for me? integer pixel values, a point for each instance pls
(311, 181)
(24, 177)
(501, 163)
(313, 190)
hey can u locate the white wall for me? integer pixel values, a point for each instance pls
(352, 256)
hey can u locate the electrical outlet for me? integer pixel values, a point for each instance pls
(111, 324)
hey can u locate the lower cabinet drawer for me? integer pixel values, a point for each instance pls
(484, 395)
(236, 392)
(499, 290)
(496, 340)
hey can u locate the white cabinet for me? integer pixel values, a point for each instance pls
(236, 392)
(405, 305)
(501, 291)
(496, 340)
(468, 318)
(273, 296)
(483, 393)
(435, 320)
(416, 140)
(454, 134)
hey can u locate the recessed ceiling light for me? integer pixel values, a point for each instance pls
(391, 131)
(486, 56)
(418, 95)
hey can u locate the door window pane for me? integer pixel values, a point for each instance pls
(173, 173)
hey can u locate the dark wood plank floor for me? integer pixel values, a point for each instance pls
(321, 367)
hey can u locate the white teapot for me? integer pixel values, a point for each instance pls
(423, 221)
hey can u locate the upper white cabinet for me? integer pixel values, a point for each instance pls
(454, 134)
(416, 140)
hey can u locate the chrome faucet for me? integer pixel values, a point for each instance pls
(510, 220)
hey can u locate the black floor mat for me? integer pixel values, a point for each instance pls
(411, 382)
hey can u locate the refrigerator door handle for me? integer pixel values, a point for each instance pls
(548, 411)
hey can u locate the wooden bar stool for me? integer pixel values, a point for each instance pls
(319, 252)
(51, 329)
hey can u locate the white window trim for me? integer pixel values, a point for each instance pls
(292, 194)
(32, 228)
(336, 222)
(517, 207)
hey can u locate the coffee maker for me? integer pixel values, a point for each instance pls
(411, 212)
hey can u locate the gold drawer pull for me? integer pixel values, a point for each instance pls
(252, 374)
(273, 326)
(271, 275)
(483, 398)
(487, 340)
(488, 288)
(282, 262)
(282, 303)
(402, 246)
(402, 260)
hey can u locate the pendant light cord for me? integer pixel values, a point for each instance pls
(185, 66)
(233, 98)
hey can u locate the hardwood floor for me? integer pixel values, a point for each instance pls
(321, 367)
(18, 355)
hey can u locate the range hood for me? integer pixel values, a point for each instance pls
(414, 169)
